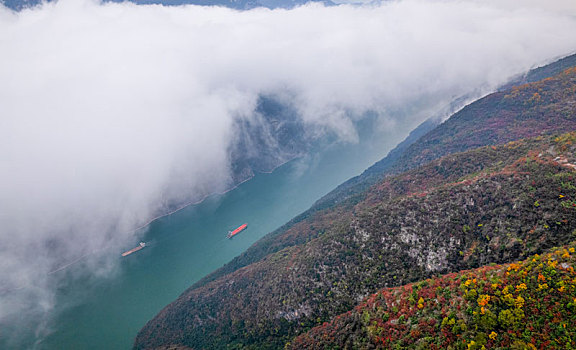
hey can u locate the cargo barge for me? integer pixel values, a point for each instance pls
(237, 231)
(134, 250)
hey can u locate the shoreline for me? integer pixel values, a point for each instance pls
(184, 206)
(202, 199)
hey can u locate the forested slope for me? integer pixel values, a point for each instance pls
(495, 119)
(505, 203)
(524, 305)
(491, 204)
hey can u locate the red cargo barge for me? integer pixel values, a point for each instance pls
(237, 231)
(134, 250)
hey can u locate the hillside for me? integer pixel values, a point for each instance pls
(524, 305)
(522, 111)
(492, 204)
(511, 117)
(503, 120)
(543, 72)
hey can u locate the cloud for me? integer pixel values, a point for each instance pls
(110, 111)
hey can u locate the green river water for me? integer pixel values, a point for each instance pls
(189, 244)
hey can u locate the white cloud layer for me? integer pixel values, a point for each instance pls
(108, 110)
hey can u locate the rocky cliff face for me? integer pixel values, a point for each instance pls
(273, 136)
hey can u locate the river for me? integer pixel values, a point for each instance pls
(191, 243)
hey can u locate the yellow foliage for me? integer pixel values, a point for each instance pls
(520, 287)
(483, 300)
(514, 266)
(420, 303)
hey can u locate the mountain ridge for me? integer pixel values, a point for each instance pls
(403, 157)
(219, 312)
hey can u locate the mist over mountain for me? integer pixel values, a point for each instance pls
(492, 184)
(114, 113)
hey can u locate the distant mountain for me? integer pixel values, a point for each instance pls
(543, 72)
(19, 4)
(235, 4)
(489, 185)
(274, 135)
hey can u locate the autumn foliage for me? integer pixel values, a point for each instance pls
(529, 304)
